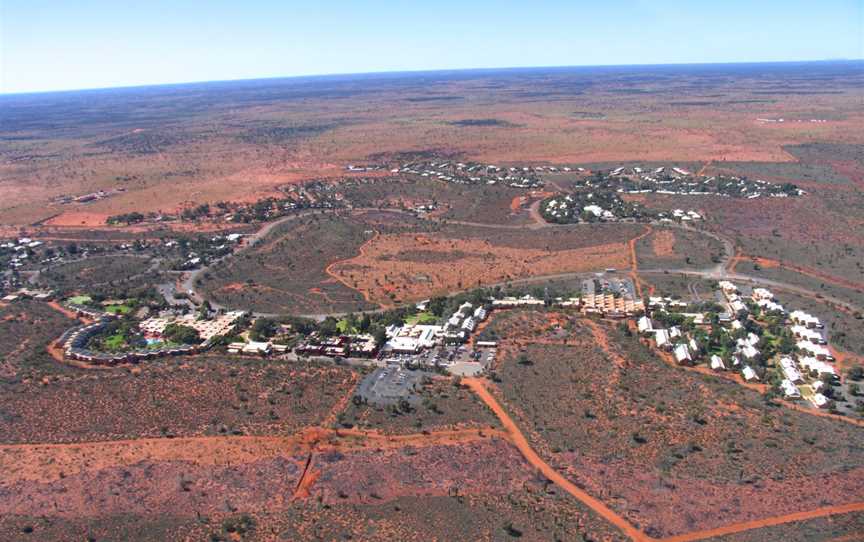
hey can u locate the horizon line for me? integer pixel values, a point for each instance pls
(417, 71)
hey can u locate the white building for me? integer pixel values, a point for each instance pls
(749, 373)
(682, 354)
(645, 325)
(717, 363)
(790, 390)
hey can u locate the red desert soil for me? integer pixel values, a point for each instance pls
(386, 261)
(77, 218)
(634, 261)
(519, 440)
(663, 244)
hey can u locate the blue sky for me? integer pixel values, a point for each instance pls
(71, 44)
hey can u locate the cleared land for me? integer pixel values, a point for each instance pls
(409, 266)
(677, 249)
(443, 406)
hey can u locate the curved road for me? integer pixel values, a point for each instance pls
(718, 271)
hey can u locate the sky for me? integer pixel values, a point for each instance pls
(75, 44)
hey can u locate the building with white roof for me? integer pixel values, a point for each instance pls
(790, 371)
(810, 364)
(749, 373)
(661, 337)
(818, 351)
(717, 363)
(645, 325)
(820, 400)
(790, 390)
(805, 319)
(808, 334)
(761, 293)
(682, 354)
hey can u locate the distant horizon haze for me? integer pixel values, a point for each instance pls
(443, 71)
(48, 46)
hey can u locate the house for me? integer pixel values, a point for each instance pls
(809, 334)
(694, 347)
(820, 400)
(749, 373)
(790, 371)
(682, 354)
(817, 351)
(727, 287)
(769, 305)
(811, 364)
(661, 337)
(750, 353)
(790, 390)
(804, 319)
(645, 325)
(761, 293)
(717, 363)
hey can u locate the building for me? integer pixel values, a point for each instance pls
(661, 337)
(820, 400)
(645, 325)
(749, 374)
(717, 363)
(817, 351)
(611, 306)
(682, 354)
(812, 364)
(790, 371)
(809, 334)
(414, 338)
(790, 390)
(805, 319)
(512, 302)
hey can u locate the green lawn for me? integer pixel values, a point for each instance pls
(118, 309)
(80, 299)
(342, 326)
(115, 342)
(421, 318)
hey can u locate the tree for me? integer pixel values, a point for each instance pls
(181, 334)
(365, 322)
(855, 373)
(380, 336)
(328, 328)
(263, 328)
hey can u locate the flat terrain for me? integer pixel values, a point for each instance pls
(206, 397)
(675, 248)
(26, 328)
(442, 406)
(177, 145)
(669, 450)
(412, 266)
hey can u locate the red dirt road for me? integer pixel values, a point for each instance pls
(478, 386)
(769, 522)
(518, 439)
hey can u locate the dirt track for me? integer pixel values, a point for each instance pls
(519, 440)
